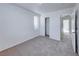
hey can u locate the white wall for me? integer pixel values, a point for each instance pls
(54, 26)
(42, 25)
(73, 29)
(16, 26)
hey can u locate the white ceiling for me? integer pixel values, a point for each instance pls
(45, 7)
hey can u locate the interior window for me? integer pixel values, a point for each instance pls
(35, 22)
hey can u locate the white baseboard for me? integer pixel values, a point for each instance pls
(20, 42)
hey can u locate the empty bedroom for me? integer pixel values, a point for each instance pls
(39, 29)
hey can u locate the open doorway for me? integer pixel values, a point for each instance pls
(47, 26)
(65, 27)
(69, 29)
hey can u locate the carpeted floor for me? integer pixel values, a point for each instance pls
(42, 46)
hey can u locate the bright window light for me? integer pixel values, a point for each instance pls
(35, 22)
(66, 26)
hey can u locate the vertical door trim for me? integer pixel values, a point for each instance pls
(76, 40)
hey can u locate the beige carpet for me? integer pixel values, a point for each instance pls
(41, 46)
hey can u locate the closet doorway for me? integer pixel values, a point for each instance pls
(47, 19)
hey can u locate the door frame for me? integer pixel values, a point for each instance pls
(76, 36)
(61, 25)
(45, 26)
